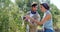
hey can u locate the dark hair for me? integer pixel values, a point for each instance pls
(45, 5)
(34, 5)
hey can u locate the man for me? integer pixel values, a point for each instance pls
(34, 14)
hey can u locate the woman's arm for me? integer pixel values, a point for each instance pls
(47, 17)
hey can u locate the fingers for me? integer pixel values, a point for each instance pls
(28, 17)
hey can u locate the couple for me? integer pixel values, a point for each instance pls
(34, 18)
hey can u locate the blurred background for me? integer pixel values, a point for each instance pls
(12, 12)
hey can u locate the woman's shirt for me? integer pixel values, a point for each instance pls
(48, 24)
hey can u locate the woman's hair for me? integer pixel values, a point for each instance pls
(45, 5)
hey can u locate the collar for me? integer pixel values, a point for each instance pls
(33, 12)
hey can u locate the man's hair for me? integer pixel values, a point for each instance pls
(34, 4)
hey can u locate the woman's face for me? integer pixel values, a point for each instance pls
(42, 8)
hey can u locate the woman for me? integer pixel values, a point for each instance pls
(46, 20)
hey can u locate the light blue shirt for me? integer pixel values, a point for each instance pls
(48, 24)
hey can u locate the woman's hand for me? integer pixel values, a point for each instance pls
(28, 17)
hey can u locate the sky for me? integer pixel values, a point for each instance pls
(13, 1)
(56, 2)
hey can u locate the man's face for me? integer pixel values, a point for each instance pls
(34, 8)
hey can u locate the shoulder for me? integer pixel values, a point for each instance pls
(48, 12)
(38, 15)
(28, 12)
